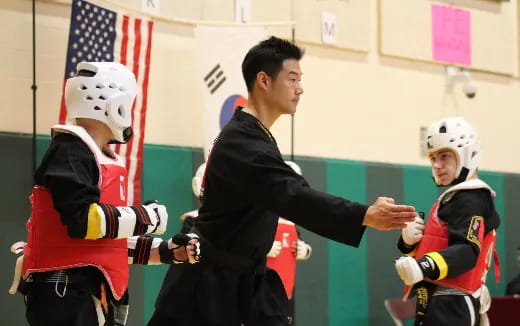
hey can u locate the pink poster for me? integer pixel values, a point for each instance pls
(451, 35)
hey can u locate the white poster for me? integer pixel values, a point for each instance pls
(220, 53)
(329, 28)
(151, 6)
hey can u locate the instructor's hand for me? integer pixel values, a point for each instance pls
(385, 215)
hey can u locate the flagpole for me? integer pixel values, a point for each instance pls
(33, 86)
(292, 115)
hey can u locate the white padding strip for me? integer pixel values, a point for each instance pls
(126, 222)
(471, 309)
(156, 242)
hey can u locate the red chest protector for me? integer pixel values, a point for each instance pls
(436, 238)
(285, 263)
(50, 248)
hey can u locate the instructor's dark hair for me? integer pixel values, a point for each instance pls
(268, 56)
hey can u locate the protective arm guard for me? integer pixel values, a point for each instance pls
(412, 271)
(139, 249)
(109, 221)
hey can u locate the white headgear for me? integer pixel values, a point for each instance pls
(196, 182)
(456, 134)
(103, 91)
(294, 166)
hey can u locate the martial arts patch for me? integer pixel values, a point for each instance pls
(476, 230)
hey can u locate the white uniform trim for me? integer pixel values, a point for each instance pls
(471, 309)
(100, 157)
(470, 184)
(281, 220)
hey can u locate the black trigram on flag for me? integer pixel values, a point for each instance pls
(215, 78)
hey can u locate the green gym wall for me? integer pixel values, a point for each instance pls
(338, 285)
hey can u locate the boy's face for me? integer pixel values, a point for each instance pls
(284, 93)
(444, 166)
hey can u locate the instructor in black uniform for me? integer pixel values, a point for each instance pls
(246, 187)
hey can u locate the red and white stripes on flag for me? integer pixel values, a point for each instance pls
(99, 34)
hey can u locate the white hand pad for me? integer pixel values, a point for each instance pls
(303, 250)
(413, 232)
(158, 216)
(409, 270)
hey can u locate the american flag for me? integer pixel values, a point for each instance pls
(99, 34)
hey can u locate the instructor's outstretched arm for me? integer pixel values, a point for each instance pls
(385, 215)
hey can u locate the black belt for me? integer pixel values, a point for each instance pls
(226, 259)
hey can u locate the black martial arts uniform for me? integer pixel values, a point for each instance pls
(439, 305)
(246, 187)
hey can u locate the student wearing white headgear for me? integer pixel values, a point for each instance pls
(447, 259)
(82, 234)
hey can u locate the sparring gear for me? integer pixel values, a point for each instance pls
(103, 91)
(139, 249)
(303, 250)
(485, 299)
(158, 217)
(47, 235)
(17, 248)
(196, 182)
(285, 262)
(413, 232)
(184, 240)
(436, 239)
(409, 270)
(275, 249)
(127, 221)
(457, 135)
(179, 240)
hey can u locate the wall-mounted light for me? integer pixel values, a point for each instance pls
(454, 74)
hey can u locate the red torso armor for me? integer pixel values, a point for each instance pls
(285, 263)
(50, 248)
(436, 239)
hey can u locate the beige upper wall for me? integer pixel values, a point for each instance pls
(406, 27)
(357, 106)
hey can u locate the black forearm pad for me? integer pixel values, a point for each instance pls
(166, 254)
(142, 250)
(403, 247)
(429, 268)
